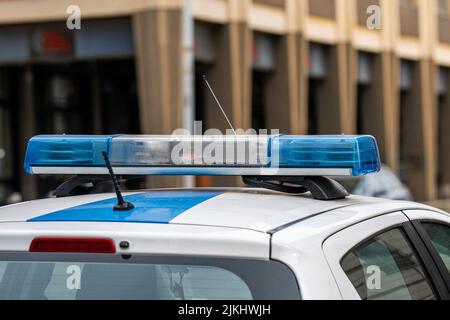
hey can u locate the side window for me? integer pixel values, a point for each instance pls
(387, 268)
(440, 238)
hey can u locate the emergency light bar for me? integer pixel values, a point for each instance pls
(239, 155)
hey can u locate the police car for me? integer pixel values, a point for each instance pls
(292, 234)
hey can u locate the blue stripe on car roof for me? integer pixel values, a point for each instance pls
(151, 207)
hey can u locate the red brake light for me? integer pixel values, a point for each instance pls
(73, 245)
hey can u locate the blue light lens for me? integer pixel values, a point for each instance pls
(358, 153)
(67, 151)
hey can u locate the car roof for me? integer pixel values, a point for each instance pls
(254, 209)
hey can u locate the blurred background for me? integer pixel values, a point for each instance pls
(301, 66)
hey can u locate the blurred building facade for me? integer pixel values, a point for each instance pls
(301, 66)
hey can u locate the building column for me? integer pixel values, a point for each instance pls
(158, 35)
(297, 77)
(159, 62)
(241, 73)
(346, 82)
(302, 67)
(346, 19)
(429, 123)
(297, 66)
(390, 92)
(231, 75)
(231, 78)
(390, 68)
(429, 39)
(442, 133)
(303, 86)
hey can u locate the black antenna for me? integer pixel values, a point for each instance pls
(121, 205)
(218, 103)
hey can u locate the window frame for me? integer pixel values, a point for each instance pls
(383, 223)
(418, 250)
(434, 254)
(432, 270)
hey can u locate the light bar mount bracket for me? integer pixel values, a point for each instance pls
(321, 188)
(84, 184)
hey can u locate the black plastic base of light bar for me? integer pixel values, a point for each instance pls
(84, 184)
(321, 188)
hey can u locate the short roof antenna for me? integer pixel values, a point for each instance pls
(218, 103)
(121, 204)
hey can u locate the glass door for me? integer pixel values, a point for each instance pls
(9, 181)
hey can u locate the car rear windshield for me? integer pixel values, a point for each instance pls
(102, 277)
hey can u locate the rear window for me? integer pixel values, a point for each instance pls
(78, 277)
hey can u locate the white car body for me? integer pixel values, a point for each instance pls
(308, 236)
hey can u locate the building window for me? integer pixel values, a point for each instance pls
(6, 152)
(207, 42)
(408, 3)
(318, 74)
(259, 98)
(443, 6)
(443, 98)
(406, 79)
(264, 68)
(364, 86)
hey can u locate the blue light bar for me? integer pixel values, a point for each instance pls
(66, 151)
(360, 153)
(204, 155)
